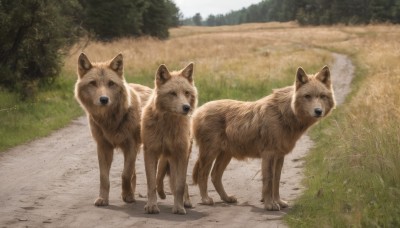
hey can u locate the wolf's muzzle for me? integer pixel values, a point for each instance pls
(318, 112)
(104, 100)
(185, 108)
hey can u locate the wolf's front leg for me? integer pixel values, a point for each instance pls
(129, 173)
(267, 166)
(178, 177)
(277, 178)
(186, 198)
(150, 161)
(105, 156)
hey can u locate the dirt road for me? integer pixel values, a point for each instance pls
(53, 182)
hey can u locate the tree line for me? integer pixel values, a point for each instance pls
(36, 34)
(307, 12)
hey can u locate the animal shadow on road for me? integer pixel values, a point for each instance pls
(261, 210)
(137, 210)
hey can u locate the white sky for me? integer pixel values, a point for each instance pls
(206, 7)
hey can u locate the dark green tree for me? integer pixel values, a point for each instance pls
(110, 19)
(197, 19)
(174, 14)
(34, 36)
(211, 21)
(155, 19)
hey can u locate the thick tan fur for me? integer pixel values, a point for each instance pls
(268, 129)
(166, 135)
(113, 110)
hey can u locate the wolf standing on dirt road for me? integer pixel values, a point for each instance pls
(113, 110)
(268, 129)
(166, 134)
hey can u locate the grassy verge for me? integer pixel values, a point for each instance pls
(352, 174)
(23, 121)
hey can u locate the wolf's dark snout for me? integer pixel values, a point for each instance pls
(186, 108)
(318, 112)
(104, 100)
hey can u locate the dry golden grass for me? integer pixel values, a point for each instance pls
(247, 51)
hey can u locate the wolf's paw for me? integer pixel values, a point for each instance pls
(151, 209)
(187, 204)
(207, 201)
(282, 204)
(128, 198)
(272, 206)
(230, 199)
(101, 202)
(179, 210)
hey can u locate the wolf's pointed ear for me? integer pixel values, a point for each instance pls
(84, 65)
(301, 77)
(324, 76)
(188, 72)
(162, 75)
(117, 64)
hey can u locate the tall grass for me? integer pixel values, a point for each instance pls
(353, 174)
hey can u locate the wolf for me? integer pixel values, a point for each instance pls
(113, 109)
(267, 128)
(166, 121)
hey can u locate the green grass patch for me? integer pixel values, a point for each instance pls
(220, 86)
(352, 176)
(22, 121)
(249, 89)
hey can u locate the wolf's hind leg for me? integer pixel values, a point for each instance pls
(161, 172)
(202, 169)
(220, 165)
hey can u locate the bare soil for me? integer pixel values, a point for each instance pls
(53, 182)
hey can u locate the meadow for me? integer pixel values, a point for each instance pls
(352, 176)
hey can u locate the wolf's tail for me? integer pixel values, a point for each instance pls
(195, 175)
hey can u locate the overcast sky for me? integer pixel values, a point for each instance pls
(206, 7)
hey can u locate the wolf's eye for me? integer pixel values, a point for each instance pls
(111, 83)
(307, 96)
(173, 93)
(93, 83)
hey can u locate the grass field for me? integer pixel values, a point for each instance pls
(352, 174)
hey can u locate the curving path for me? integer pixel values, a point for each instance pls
(53, 181)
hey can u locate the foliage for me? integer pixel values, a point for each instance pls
(33, 37)
(197, 19)
(315, 12)
(110, 19)
(122, 18)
